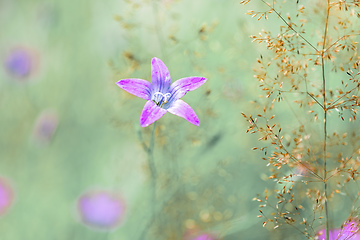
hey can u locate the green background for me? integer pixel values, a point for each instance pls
(207, 175)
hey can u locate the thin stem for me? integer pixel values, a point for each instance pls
(333, 104)
(289, 25)
(333, 44)
(310, 95)
(151, 162)
(150, 152)
(325, 121)
(277, 140)
(153, 175)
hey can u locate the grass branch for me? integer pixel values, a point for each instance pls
(325, 120)
(289, 25)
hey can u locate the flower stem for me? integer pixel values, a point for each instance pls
(153, 174)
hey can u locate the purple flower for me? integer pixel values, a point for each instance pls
(204, 237)
(6, 196)
(101, 209)
(45, 126)
(197, 235)
(349, 231)
(20, 62)
(162, 97)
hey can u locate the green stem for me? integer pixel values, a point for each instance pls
(325, 121)
(153, 174)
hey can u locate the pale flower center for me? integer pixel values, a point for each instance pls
(160, 99)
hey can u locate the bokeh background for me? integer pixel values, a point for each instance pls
(72, 162)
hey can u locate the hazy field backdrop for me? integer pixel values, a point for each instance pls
(66, 129)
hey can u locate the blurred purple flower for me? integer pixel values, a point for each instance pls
(101, 209)
(45, 126)
(6, 195)
(196, 234)
(162, 97)
(20, 62)
(204, 236)
(349, 231)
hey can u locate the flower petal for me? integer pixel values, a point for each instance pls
(151, 113)
(349, 230)
(180, 87)
(138, 87)
(182, 109)
(160, 76)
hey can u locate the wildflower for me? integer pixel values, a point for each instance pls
(20, 62)
(204, 237)
(6, 196)
(161, 96)
(196, 234)
(101, 209)
(349, 231)
(45, 127)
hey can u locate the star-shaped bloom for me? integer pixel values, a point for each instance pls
(161, 96)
